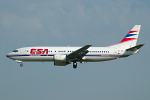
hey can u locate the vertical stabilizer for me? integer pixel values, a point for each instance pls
(130, 39)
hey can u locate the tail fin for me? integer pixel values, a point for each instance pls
(130, 39)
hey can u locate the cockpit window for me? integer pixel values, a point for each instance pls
(15, 51)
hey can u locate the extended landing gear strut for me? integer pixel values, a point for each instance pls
(74, 64)
(18, 61)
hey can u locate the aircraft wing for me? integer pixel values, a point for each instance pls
(78, 54)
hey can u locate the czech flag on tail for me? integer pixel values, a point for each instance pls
(132, 35)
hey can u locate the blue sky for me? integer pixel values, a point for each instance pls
(74, 23)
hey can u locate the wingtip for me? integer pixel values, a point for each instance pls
(88, 45)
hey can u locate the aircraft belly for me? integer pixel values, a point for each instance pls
(96, 59)
(34, 58)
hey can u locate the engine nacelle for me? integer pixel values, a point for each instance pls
(59, 57)
(60, 60)
(60, 63)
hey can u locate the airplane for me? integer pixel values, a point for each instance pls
(62, 56)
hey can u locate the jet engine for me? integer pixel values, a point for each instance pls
(60, 60)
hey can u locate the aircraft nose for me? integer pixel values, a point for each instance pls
(8, 55)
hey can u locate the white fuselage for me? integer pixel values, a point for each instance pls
(95, 54)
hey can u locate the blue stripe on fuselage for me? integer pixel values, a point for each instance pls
(26, 55)
(53, 55)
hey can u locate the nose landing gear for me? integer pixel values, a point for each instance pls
(18, 61)
(21, 64)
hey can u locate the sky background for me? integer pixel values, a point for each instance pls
(75, 23)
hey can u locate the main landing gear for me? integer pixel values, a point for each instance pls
(74, 64)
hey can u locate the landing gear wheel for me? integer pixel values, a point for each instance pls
(74, 65)
(21, 65)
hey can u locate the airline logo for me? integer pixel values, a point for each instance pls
(39, 51)
(130, 36)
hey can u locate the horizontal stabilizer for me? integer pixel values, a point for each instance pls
(135, 47)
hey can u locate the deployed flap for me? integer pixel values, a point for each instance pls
(135, 48)
(78, 54)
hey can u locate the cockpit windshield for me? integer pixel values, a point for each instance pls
(15, 51)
